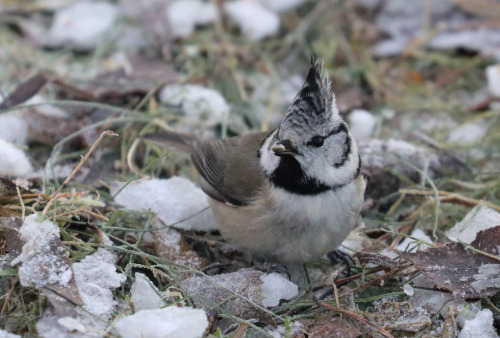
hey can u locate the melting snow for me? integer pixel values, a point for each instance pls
(176, 201)
(479, 218)
(362, 123)
(40, 256)
(171, 321)
(481, 326)
(254, 20)
(276, 287)
(145, 295)
(13, 160)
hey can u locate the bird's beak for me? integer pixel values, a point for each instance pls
(285, 148)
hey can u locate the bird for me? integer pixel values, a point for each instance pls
(290, 195)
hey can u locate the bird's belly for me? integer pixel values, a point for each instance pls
(291, 228)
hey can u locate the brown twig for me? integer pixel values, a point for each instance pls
(355, 316)
(84, 159)
(449, 197)
(9, 294)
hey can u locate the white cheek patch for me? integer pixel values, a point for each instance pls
(330, 175)
(268, 160)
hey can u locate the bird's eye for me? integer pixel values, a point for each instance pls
(317, 141)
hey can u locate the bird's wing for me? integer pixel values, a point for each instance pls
(230, 167)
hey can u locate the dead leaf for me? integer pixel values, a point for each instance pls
(132, 81)
(480, 8)
(488, 240)
(50, 130)
(24, 91)
(464, 273)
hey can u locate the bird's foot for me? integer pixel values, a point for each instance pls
(337, 256)
(262, 264)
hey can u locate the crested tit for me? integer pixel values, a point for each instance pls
(289, 195)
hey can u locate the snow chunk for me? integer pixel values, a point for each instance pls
(197, 102)
(493, 76)
(145, 295)
(408, 289)
(488, 276)
(255, 21)
(382, 154)
(40, 256)
(479, 218)
(71, 324)
(481, 326)
(276, 287)
(96, 276)
(171, 321)
(361, 124)
(83, 23)
(13, 128)
(467, 133)
(46, 109)
(14, 162)
(51, 326)
(409, 244)
(5, 334)
(280, 6)
(183, 16)
(177, 201)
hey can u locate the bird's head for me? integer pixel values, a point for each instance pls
(313, 135)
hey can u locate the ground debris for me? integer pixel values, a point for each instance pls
(465, 273)
(402, 317)
(255, 290)
(171, 246)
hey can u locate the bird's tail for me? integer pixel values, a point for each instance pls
(173, 140)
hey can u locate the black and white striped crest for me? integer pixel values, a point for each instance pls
(314, 105)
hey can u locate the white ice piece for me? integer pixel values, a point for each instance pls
(409, 244)
(13, 161)
(493, 76)
(361, 124)
(83, 23)
(145, 295)
(96, 277)
(197, 102)
(72, 324)
(481, 326)
(280, 6)
(171, 321)
(467, 133)
(408, 289)
(40, 264)
(255, 21)
(276, 287)
(5, 334)
(176, 200)
(184, 15)
(44, 108)
(13, 128)
(479, 218)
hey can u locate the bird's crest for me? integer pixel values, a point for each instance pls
(314, 104)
